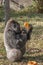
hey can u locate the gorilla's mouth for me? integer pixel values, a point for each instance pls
(18, 32)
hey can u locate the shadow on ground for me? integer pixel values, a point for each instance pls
(32, 58)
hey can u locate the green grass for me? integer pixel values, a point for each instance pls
(36, 40)
(1, 12)
(24, 14)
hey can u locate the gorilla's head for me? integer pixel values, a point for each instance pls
(14, 26)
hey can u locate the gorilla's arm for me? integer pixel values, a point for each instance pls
(27, 32)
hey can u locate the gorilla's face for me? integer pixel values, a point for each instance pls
(15, 26)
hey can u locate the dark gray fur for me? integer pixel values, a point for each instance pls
(15, 40)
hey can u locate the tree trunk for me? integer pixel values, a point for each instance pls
(7, 10)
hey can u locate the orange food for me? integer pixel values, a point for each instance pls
(26, 25)
(32, 63)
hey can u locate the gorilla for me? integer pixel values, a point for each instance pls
(15, 39)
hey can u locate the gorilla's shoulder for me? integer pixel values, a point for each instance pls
(11, 20)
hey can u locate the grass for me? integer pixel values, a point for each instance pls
(15, 14)
(1, 12)
(36, 40)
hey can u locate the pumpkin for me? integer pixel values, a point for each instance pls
(26, 25)
(32, 63)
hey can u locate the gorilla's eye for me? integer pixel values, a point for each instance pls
(14, 25)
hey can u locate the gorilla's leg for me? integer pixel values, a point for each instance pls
(14, 55)
(23, 50)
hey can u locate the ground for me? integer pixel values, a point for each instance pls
(34, 47)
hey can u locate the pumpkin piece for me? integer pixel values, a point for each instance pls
(32, 63)
(26, 25)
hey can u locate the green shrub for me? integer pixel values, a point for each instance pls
(39, 4)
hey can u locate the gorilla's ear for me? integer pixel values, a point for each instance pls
(29, 32)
